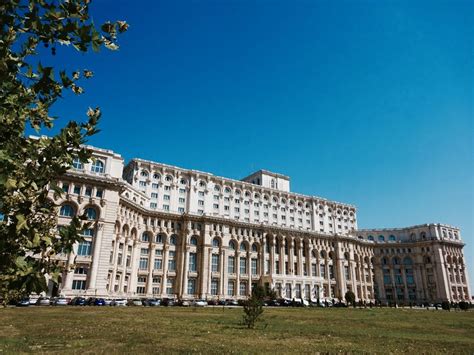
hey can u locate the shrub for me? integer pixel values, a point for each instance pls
(446, 305)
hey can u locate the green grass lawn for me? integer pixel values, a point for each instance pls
(214, 330)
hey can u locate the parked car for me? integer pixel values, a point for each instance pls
(212, 302)
(78, 301)
(24, 302)
(168, 302)
(136, 302)
(108, 302)
(99, 302)
(119, 302)
(200, 303)
(232, 302)
(152, 302)
(43, 301)
(60, 301)
(222, 302)
(33, 300)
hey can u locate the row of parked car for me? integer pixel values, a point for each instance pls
(92, 301)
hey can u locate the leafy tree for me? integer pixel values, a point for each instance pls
(350, 298)
(446, 305)
(29, 238)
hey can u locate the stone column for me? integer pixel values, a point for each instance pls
(223, 273)
(97, 239)
(164, 279)
(133, 276)
(184, 273)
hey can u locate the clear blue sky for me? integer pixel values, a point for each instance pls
(364, 102)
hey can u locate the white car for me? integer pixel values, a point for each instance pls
(119, 302)
(108, 302)
(61, 301)
(137, 302)
(200, 303)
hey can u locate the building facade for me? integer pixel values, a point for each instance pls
(162, 231)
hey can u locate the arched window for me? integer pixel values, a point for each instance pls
(413, 236)
(144, 173)
(183, 181)
(370, 237)
(77, 164)
(273, 183)
(173, 240)
(217, 188)
(396, 261)
(254, 247)
(384, 261)
(423, 235)
(159, 239)
(90, 213)
(360, 237)
(145, 237)
(193, 241)
(202, 183)
(392, 238)
(66, 211)
(156, 176)
(216, 243)
(381, 238)
(243, 247)
(97, 166)
(227, 190)
(232, 245)
(407, 261)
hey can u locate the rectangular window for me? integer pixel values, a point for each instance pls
(153, 205)
(181, 209)
(214, 287)
(191, 286)
(216, 206)
(243, 288)
(313, 269)
(215, 263)
(88, 192)
(298, 291)
(171, 265)
(158, 264)
(347, 273)
(65, 188)
(166, 197)
(143, 263)
(141, 290)
(288, 290)
(142, 183)
(84, 248)
(192, 262)
(277, 267)
(144, 251)
(99, 193)
(154, 186)
(169, 286)
(322, 271)
(166, 207)
(254, 266)
(167, 188)
(154, 195)
(182, 200)
(200, 202)
(77, 190)
(230, 288)
(231, 265)
(182, 191)
(201, 193)
(243, 265)
(331, 271)
(78, 284)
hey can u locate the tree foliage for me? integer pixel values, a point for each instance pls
(253, 307)
(29, 238)
(350, 298)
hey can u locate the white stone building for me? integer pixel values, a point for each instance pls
(163, 231)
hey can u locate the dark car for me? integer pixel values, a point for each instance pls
(222, 303)
(284, 303)
(99, 302)
(212, 303)
(152, 302)
(79, 301)
(168, 302)
(24, 302)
